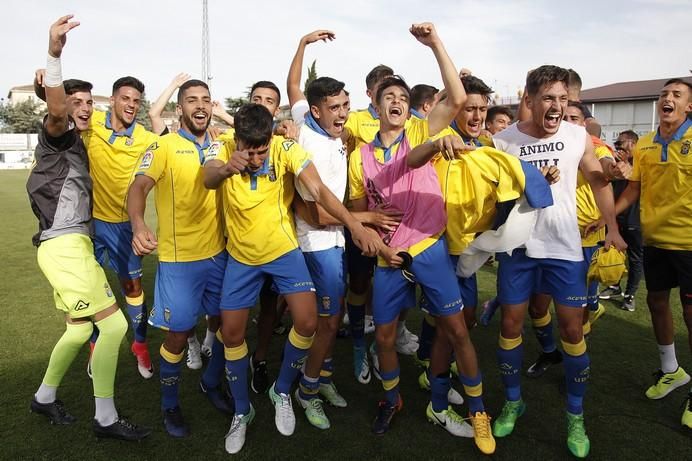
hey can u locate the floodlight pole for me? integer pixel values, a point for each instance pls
(206, 61)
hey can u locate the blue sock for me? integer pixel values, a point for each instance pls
(439, 388)
(509, 356)
(327, 371)
(138, 317)
(212, 374)
(425, 340)
(169, 372)
(356, 318)
(576, 362)
(237, 362)
(308, 387)
(390, 383)
(295, 352)
(473, 387)
(592, 296)
(543, 328)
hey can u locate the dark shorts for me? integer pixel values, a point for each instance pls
(666, 269)
(356, 263)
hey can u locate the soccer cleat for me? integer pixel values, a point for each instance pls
(453, 396)
(284, 418)
(144, 365)
(235, 437)
(423, 363)
(121, 429)
(361, 366)
(54, 411)
(628, 303)
(482, 434)
(280, 329)
(610, 292)
(259, 380)
(369, 325)
(404, 346)
(450, 421)
(194, 355)
(545, 361)
(511, 411)
(667, 383)
(488, 311)
(206, 350)
(410, 337)
(385, 413)
(345, 321)
(331, 394)
(687, 413)
(597, 314)
(375, 361)
(174, 423)
(314, 411)
(219, 399)
(577, 440)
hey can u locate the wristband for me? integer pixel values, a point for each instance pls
(53, 77)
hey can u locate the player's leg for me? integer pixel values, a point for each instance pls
(635, 269)
(542, 322)
(594, 309)
(266, 321)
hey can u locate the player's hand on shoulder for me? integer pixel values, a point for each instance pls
(317, 35)
(58, 34)
(425, 33)
(143, 240)
(287, 129)
(215, 132)
(551, 173)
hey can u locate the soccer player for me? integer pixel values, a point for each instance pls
(630, 229)
(380, 175)
(192, 258)
(114, 143)
(661, 180)
(553, 259)
(423, 100)
(498, 118)
(321, 120)
(59, 188)
(258, 186)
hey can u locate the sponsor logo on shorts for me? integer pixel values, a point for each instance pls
(81, 305)
(167, 315)
(303, 284)
(452, 304)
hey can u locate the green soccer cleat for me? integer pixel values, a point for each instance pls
(331, 394)
(314, 411)
(511, 411)
(667, 383)
(577, 440)
(687, 414)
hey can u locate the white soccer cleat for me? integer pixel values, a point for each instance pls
(450, 421)
(235, 437)
(404, 346)
(454, 397)
(410, 337)
(369, 325)
(284, 417)
(194, 354)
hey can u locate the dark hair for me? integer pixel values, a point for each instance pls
(545, 75)
(679, 80)
(394, 80)
(579, 106)
(319, 89)
(474, 85)
(422, 93)
(253, 125)
(128, 81)
(629, 134)
(376, 75)
(190, 84)
(71, 86)
(269, 85)
(574, 80)
(494, 111)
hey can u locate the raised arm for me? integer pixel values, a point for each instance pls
(219, 112)
(157, 108)
(57, 121)
(295, 94)
(445, 111)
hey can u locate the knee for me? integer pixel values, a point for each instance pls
(510, 327)
(132, 288)
(328, 326)
(232, 335)
(385, 339)
(572, 334)
(658, 302)
(305, 327)
(79, 332)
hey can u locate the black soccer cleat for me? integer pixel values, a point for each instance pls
(54, 411)
(545, 361)
(259, 381)
(385, 413)
(122, 429)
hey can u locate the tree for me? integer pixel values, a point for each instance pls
(143, 114)
(233, 104)
(170, 106)
(22, 117)
(312, 75)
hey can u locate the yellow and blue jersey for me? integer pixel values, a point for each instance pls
(587, 210)
(257, 206)
(363, 126)
(190, 222)
(664, 170)
(113, 161)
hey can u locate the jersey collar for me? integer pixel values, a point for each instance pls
(126, 133)
(677, 136)
(377, 142)
(200, 148)
(415, 113)
(466, 139)
(314, 126)
(373, 112)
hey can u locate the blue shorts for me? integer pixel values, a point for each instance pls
(115, 241)
(327, 272)
(433, 271)
(592, 288)
(242, 283)
(467, 286)
(355, 261)
(519, 276)
(186, 290)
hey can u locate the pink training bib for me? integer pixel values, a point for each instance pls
(414, 192)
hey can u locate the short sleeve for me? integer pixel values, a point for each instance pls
(417, 132)
(299, 110)
(602, 152)
(355, 175)
(153, 162)
(228, 138)
(295, 158)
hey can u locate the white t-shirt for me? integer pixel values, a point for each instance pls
(556, 234)
(329, 157)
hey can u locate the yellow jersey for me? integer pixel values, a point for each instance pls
(587, 210)
(190, 221)
(228, 138)
(257, 206)
(665, 173)
(363, 126)
(113, 161)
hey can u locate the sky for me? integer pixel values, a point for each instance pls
(153, 40)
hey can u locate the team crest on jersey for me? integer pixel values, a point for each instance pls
(685, 147)
(167, 314)
(272, 173)
(129, 141)
(109, 292)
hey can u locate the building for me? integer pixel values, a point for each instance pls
(21, 93)
(625, 106)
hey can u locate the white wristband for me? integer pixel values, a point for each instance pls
(53, 75)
